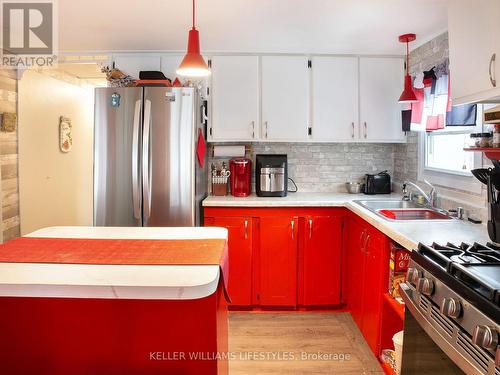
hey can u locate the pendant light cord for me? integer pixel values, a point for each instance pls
(407, 57)
(193, 15)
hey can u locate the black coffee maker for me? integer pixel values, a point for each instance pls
(491, 178)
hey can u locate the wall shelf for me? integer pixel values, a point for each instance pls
(492, 153)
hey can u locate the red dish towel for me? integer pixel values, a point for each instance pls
(201, 148)
(117, 252)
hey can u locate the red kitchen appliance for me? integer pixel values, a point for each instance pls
(241, 176)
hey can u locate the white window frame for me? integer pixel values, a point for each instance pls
(455, 180)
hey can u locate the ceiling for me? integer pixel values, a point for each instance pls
(278, 26)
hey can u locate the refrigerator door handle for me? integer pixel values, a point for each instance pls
(135, 161)
(146, 173)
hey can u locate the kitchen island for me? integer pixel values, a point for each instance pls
(91, 300)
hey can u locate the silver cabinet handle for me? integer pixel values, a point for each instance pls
(253, 129)
(365, 128)
(310, 228)
(492, 78)
(266, 124)
(146, 176)
(246, 229)
(135, 161)
(352, 132)
(293, 229)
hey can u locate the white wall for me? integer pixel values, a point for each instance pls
(55, 188)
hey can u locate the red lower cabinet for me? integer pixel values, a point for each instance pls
(354, 237)
(240, 244)
(367, 253)
(282, 257)
(278, 261)
(322, 239)
(375, 277)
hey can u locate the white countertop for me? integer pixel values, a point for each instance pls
(407, 234)
(113, 281)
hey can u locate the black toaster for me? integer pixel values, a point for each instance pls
(379, 183)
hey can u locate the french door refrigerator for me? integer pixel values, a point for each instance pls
(146, 169)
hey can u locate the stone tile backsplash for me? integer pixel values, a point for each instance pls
(326, 167)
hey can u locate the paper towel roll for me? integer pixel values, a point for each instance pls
(229, 151)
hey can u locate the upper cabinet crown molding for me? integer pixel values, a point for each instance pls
(474, 42)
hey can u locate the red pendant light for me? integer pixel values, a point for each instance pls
(408, 95)
(193, 64)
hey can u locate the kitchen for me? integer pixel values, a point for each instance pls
(305, 196)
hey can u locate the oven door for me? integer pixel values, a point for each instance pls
(423, 344)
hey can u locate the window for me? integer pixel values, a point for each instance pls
(442, 160)
(444, 152)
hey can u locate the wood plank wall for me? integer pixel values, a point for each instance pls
(9, 159)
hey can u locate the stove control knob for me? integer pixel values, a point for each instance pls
(485, 337)
(409, 274)
(412, 275)
(451, 307)
(425, 286)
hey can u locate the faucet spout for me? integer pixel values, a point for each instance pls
(430, 198)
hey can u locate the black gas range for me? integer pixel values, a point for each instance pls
(453, 293)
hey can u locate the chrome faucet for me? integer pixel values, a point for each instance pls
(431, 198)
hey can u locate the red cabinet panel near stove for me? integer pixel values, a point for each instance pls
(321, 260)
(375, 276)
(354, 237)
(278, 261)
(240, 240)
(367, 254)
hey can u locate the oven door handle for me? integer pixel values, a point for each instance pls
(407, 294)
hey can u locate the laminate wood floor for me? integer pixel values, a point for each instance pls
(296, 337)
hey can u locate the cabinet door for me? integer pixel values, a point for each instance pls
(354, 238)
(323, 239)
(133, 64)
(473, 31)
(240, 257)
(381, 84)
(373, 288)
(278, 261)
(235, 98)
(169, 65)
(285, 98)
(335, 98)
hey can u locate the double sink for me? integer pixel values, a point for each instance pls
(399, 210)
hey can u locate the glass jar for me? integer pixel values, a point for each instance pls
(496, 136)
(485, 140)
(475, 140)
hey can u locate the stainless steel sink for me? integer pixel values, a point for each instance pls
(399, 210)
(388, 204)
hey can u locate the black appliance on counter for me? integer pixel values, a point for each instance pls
(452, 310)
(271, 175)
(379, 183)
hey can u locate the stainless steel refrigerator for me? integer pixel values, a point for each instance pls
(146, 169)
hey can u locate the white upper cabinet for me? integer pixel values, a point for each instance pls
(380, 85)
(169, 65)
(335, 99)
(235, 98)
(474, 39)
(133, 64)
(285, 98)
